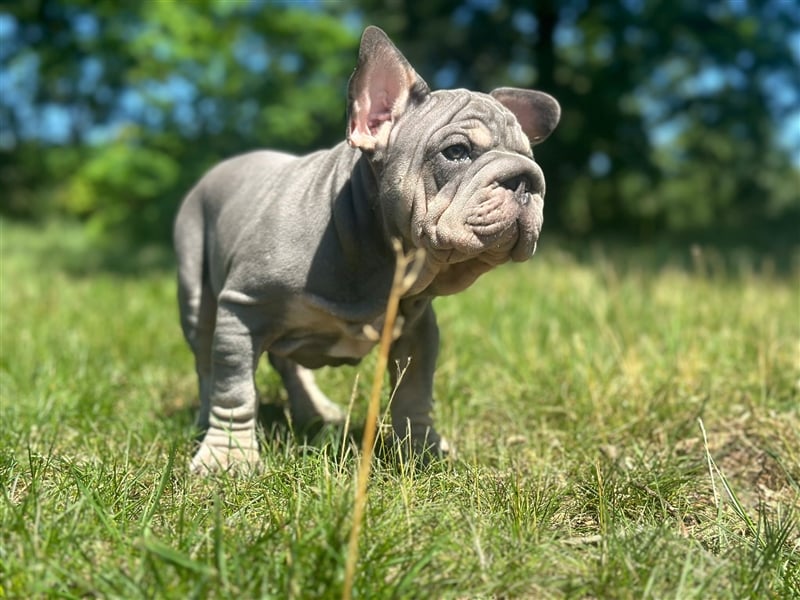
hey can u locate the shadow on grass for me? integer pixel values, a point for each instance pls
(343, 444)
(710, 253)
(277, 428)
(70, 248)
(123, 259)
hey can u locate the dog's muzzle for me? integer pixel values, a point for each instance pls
(494, 213)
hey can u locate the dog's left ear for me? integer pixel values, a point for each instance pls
(538, 113)
(382, 87)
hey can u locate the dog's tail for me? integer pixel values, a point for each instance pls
(189, 240)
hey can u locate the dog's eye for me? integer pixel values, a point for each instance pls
(456, 152)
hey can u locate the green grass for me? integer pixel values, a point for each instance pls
(573, 388)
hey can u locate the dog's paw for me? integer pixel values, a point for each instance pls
(419, 450)
(234, 456)
(428, 451)
(307, 418)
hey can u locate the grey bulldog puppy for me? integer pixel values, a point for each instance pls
(293, 255)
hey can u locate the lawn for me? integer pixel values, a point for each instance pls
(627, 424)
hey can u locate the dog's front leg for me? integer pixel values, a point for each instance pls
(230, 441)
(413, 362)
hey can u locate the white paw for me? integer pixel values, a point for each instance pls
(321, 412)
(233, 455)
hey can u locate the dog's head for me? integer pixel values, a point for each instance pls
(455, 170)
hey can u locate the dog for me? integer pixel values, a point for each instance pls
(293, 256)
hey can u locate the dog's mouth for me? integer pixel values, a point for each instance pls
(493, 216)
(502, 221)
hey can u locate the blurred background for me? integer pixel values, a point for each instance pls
(680, 120)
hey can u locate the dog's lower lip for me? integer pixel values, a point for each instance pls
(524, 248)
(520, 254)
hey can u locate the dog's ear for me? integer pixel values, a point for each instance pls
(381, 88)
(538, 113)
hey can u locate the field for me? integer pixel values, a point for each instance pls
(627, 425)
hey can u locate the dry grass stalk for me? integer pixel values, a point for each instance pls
(406, 271)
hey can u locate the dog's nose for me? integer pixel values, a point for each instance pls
(524, 182)
(521, 186)
(514, 183)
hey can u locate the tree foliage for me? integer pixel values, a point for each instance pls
(174, 88)
(674, 115)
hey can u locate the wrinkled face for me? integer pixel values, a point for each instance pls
(470, 188)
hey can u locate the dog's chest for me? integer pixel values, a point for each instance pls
(315, 337)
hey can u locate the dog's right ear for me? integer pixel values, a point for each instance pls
(382, 87)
